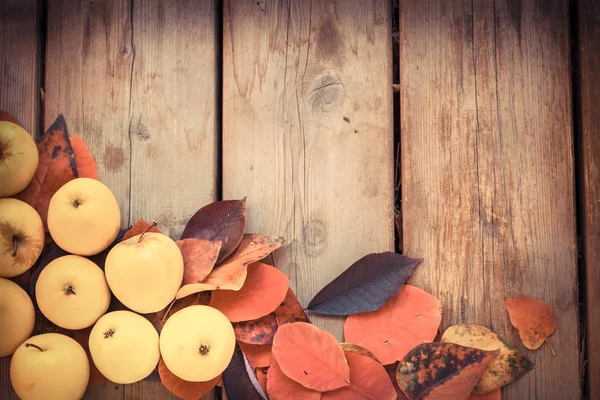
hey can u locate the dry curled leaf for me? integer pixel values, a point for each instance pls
(311, 357)
(257, 331)
(223, 221)
(280, 387)
(441, 371)
(264, 290)
(184, 389)
(410, 318)
(508, 366)
(86, 165)
(137, 228)
(199, 258)
(534, 319)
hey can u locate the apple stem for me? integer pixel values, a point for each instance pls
(109, 333)
(34, 346)
(15, 242)
(76, 203)
(204, 349)
(69, 290)
(152, 225)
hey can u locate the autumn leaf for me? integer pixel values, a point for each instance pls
(441, 371)
(366, 286)
(368, 381)
(199, 258)
(86, 166)
(192, 288)
(391, 371)
(56, 167)
(231, 274)
(261, 377)
(264, 290)
(257, 331)
(6, 116)
(534, 319)
(184, 389)
(493, 395)
(239, 380)
(258, 355)
(290, 310)
(310, 356)
(137, 229)
(280, 387)
(409, 318)
(354, 348)
(508, 366)
(223, 221)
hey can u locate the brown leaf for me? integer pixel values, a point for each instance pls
(56, 167)
(86, 165)
(223, 221)
(199, 258)
(231, 274)
(261, 377)
(534, 319)
(391, 370)
(137, 228)
(290, 310)
(258, 331)
(192, 288)
(6, 116)
(441, 371)
(354, 348)
(184, 389)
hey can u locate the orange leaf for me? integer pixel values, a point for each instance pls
(409, 318)
(83, 337)
(56, 167)
(534, 319)
(137, 229)
(290, 310)
(184, 389)
(6, 116)
(86, 166)
(280, 387)
(199, 258)
(264, 290)
(257, 331)
(310, 356)
(493, 395)
(354, 348)
(442, 371)
(258, 355)
(231, 274)
(368, 381)
(261, 377)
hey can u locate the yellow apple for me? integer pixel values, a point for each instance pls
(19, 158)
(50, 366)
(72, 292)
(17, 316)
(21, 237)
(124, 346)
(144, 272)
(84, 217)
(197, 343)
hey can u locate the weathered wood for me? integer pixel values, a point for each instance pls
(589, 52)
(307, 132)
(20, 77)
(487, 167)
(137, 81)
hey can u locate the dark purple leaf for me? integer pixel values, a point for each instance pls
(366, 286)
(239, 380)
(224, 221)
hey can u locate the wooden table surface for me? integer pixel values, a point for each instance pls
(290, 103)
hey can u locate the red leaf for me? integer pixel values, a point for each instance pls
(311, 357)
(86, 166)
(493, 395)
(6, 116)
(199, 258)
(184, 389)
(354, 348)
(231, 274)
(223, 221)
(263, 291)
(442, 371)
(56, 167)
(410, 318)
(258, 355)
(534, 319)
(137, 229)
(368, 381)
(280, 387)
(258, 331)
(261, 377)
(290, 310)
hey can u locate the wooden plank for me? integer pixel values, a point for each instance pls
(589, 53)
(137, 81)
(487, 168)
(307, 132)
(20, 78)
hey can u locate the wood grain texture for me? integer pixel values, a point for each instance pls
(20, 61)
(307, 132)
(20, 77)
(589, 52)
(137, 81)
(487, 169)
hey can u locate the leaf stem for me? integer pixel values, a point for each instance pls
(551, 348)
(164, 318)
(34, 346)
(152, 225)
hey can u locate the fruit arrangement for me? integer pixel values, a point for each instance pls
(84, 301)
